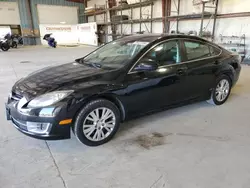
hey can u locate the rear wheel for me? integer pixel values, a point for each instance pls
(97, 122)
(14, 45)
(221, 91)
(55, 44)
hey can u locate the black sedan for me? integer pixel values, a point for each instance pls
(123, 79)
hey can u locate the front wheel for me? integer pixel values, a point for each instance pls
(221, 91)
(97, 122)
(5, 47)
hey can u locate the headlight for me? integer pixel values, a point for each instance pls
(49, 98)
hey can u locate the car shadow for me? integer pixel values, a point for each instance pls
(238, 91)
(131, 126)
(139, 121)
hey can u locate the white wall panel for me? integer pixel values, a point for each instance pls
(86, 34)
(9, 13)
(63, 34)
(91, 19)
(92, 3)
(4, 30)
(225, 6)
(146, 11)
(67, 14)
(99, 18)
(187, 7)
(157, 27)
(233, 6)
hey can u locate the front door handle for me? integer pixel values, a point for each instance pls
(181, 71)
(217, 62)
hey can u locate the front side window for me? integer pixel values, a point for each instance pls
(196, 50)
(167, 53)
(115, 54)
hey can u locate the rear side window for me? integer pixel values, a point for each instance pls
(196, 50)
(214, 51)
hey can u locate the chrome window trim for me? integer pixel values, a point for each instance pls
(184, 62)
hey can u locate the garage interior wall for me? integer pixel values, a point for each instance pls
(64, 14)
(35, 3)
(228, 26)
(29, 16)
(157, 26)
(9, 13)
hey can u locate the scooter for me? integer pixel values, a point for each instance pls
(4, 45)
(51, 41)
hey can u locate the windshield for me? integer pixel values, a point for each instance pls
(115, 54)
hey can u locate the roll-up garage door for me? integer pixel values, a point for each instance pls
(51, 14)
(9, 13)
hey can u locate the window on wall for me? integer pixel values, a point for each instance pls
(196, 50)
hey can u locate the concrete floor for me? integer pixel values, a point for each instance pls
(203, 146)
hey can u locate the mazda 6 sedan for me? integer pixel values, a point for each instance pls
(123, 79)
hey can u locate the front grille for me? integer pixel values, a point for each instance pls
(15, 96)
(20, 124)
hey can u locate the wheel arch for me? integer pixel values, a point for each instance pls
(114, 100)
(110, 97)
(228, 71)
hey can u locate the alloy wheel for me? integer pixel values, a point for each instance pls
(222, 90)
(99, 124)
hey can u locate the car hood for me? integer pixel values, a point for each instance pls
(64, 77)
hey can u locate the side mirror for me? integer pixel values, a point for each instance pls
(146, 65)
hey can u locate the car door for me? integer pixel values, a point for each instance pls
(201, 61)
(153, 89)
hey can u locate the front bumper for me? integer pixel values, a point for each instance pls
(55, 132)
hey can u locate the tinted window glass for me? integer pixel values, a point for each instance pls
(214, 51)
(165, 54)
(196, 50)
(114, 55)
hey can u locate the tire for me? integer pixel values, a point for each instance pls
(220, 95)
(14, 45)
(87, 129)
(5, 47)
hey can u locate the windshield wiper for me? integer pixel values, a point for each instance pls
(79, 60)
(96, 65)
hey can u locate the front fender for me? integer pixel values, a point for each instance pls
(108, 91)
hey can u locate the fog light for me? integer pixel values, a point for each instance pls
(38, 127)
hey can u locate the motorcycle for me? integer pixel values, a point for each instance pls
(51, 41)
(4, 45)
(17, 38)
(11, 40)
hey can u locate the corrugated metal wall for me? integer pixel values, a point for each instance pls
(25, 15)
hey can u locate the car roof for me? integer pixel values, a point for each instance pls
(154, 37)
